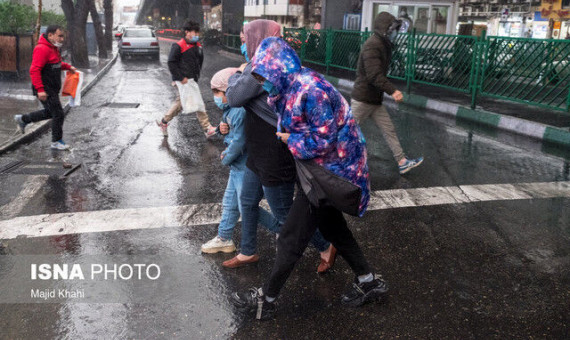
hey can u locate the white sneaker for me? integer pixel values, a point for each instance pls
(59, 145)
(217, 245)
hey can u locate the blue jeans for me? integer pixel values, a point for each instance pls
(231, 207)
(280, 199)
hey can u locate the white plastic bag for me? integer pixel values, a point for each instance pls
(190, 97)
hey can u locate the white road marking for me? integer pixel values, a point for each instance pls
(202, 214)
(32, 187)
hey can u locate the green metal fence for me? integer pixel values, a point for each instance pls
(443, 60)
(529, 71)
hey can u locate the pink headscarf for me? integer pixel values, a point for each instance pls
(220, 79)
(258, 30)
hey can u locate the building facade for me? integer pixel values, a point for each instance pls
(511, 18)
(430, 16)
(288, 13)
(557, 14)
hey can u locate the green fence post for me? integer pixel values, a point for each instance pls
(478, 60)
(303, 38)
(568, 101)
(409, 60)
(328, 57)
(363, 36)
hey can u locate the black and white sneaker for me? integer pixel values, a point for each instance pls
(253, 301)
(361, 293)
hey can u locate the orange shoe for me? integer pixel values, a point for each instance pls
(234, 262)
(327, 264)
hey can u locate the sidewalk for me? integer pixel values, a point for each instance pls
(16, 98)
(547, 125)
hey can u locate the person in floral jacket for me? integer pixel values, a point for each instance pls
(316, 123)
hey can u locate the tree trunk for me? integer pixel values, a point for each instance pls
(98, 29)
(38, 22)
(76, 16)
(108, 6)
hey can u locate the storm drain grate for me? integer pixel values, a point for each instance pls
(122, 105)
(39, 168)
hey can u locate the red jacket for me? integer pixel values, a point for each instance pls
(46, 67)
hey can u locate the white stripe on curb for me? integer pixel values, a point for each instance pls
(522, 126)
(202, 214)
(444, 107)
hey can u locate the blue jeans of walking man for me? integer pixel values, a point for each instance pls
(280, 199)
(231, 207)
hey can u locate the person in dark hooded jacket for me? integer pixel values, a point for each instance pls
(45, 73)
(315, 123)
(371, 83)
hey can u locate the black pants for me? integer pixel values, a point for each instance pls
(52, 109)
(302, 221)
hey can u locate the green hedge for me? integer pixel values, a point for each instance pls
(15, 18)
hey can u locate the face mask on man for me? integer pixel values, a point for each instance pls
(194, 39)
(58, 44)
(219, 103)
(270, 88)
(243, 49)
(392, 32)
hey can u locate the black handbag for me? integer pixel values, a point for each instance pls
(324, 188)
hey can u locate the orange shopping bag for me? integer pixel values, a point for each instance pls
(70, 84)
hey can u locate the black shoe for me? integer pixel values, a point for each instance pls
(361, 293)
(253, 300)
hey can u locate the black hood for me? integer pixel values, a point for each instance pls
(382, 22)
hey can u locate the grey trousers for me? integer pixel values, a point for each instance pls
(175, 109)
(361, 111)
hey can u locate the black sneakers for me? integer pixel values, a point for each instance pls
(252, 301)
(361, 293)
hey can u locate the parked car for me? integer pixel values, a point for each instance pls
(554, 72)
(139, 41)
(118, 31)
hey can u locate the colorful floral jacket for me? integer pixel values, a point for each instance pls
(316, 115)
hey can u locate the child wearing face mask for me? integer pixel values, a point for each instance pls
(234, 156)
(185, 63)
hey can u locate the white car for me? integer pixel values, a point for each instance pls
(139, 41)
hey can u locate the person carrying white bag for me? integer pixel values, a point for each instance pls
(190, 97)
(184, 63)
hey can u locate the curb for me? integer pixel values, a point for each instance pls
(44, 125)
(515, 125)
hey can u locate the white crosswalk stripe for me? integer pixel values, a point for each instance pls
(202, 214)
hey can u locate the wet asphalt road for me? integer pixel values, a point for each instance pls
(498, 269)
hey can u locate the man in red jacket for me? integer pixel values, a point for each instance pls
(46, 83)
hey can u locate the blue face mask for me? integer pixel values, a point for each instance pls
(393, 35)
(195, 39)
(219, 103)
(244, 52)
(268, 86)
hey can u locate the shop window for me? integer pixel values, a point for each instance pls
(378, 8)
(565, 3)
(439, 19)
(419, 16)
